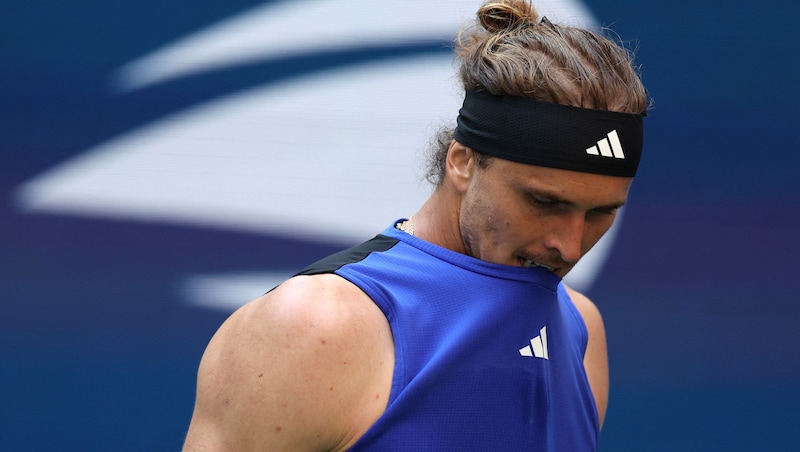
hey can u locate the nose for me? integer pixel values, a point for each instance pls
(566, 236)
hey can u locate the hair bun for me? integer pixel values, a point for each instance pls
(503, 15)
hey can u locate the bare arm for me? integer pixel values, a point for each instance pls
(306, 367)
(596, 358)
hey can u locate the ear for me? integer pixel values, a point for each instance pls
(460, 165)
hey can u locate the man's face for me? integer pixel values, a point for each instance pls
(524, 215)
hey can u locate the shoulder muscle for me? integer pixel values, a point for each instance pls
(307, 366)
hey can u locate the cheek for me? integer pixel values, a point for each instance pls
(495, 216)
(593, 232)
(515, 229)
(488, 223)
(482, 208)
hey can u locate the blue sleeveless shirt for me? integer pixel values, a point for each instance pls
(487, 357)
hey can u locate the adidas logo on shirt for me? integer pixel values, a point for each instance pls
(538, 347)
(608, 147)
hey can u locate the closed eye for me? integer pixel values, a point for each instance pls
(542, 199)
(538, 201)
(604, 211)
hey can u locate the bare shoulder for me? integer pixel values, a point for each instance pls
(595, 360)
(591, 315)
(307, 366)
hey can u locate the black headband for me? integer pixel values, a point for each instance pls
(546, 134)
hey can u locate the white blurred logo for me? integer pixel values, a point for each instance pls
(332, 155)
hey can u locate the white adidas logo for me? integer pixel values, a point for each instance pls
(538, 347)
(608, 147)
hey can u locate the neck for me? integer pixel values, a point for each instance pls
(437, 221)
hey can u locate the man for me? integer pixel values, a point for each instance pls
(452, 330)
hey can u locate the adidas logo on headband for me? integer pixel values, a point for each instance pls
(608, 147)
(542, 133)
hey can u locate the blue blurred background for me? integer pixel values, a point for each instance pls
(107, 306)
